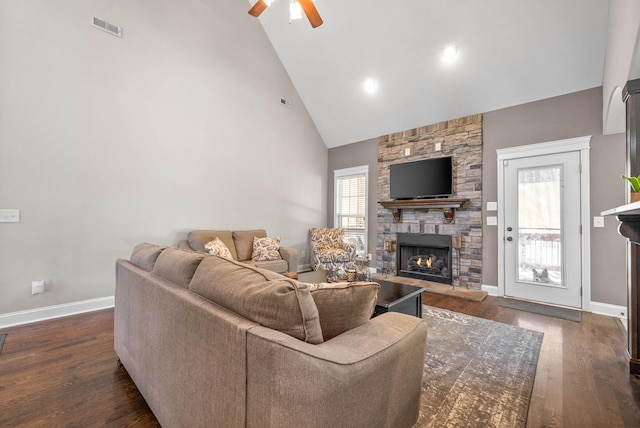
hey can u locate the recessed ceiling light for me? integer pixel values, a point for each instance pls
(370, 86)
(450, 52)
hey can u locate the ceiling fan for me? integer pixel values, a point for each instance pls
(307, 6)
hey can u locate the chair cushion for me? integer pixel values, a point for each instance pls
(344, 305)
(198, 239)
(145, 255)
(333, 255)
(325, 237)
(259, 295)
(243, 241)
(177, 266)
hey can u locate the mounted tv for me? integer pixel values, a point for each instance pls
(428, 178)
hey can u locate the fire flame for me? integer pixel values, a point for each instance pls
(427, 262)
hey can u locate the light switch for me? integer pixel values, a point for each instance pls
(438, 147)
(492, 221)
(9, 216)
(492, 206)
(598, 221)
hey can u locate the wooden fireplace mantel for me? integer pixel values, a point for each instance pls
(629, 227)
(448, 205)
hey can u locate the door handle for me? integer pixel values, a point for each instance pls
(509, 229)
(509, 238)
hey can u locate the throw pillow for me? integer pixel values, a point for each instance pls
(217, 248)
(177, 266)
(266, 249)
(259, 295)
(343, 306)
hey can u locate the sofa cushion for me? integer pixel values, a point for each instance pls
(145, 255)
(259, 295)
(177, 266)
(243, 240)
(217, 248)
(265, 249)
(344, 305)
(198, 239)
(280, 266)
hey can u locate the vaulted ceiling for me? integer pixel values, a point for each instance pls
(509, 52)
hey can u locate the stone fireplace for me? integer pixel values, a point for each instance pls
(424, 256)
(462, 139)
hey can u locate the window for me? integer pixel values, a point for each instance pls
(350, 187)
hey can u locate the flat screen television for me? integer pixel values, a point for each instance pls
(428, 178)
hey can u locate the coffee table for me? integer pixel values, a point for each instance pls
(396, 297)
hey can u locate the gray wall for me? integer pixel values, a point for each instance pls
(567, 116)
(352, 155)
(108, 142)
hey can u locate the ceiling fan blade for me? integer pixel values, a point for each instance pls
(311, 12)
(258, 8)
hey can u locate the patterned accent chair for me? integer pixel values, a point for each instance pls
(330, 251)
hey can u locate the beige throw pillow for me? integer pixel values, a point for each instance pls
(343, 306)
(217, 248)
(259, 295)
(266, 249)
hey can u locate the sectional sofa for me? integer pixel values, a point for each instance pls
(211, 342)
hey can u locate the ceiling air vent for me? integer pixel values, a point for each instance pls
(103, 25)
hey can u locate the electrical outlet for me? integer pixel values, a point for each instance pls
(369, 256)
(303, 254)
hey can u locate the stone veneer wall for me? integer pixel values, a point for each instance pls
(462, 139)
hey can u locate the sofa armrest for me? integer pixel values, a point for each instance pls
(291, 256)
(369, 376)
(184, 245)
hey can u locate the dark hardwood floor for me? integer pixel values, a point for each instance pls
(64, 372)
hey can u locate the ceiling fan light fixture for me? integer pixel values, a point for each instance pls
(295, 10)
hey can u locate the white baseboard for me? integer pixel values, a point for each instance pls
(609, 310)
(491, 289)
(56, 311)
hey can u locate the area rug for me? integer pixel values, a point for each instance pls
(434, 287)
(2, 336)
(478, 373)
(536, 308)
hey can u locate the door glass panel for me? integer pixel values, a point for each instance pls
(539, 225)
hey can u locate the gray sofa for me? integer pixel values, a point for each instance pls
(240, 244)
(211, 342)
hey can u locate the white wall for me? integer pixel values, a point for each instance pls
(108, 142)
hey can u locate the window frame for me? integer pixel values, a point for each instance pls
(349, 172)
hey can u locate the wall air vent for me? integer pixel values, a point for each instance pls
(103, 25)
(286, 103)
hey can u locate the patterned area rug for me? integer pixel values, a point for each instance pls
(478, 373)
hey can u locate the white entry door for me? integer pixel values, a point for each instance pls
(542, 229)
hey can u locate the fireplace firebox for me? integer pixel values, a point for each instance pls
(424, 256)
